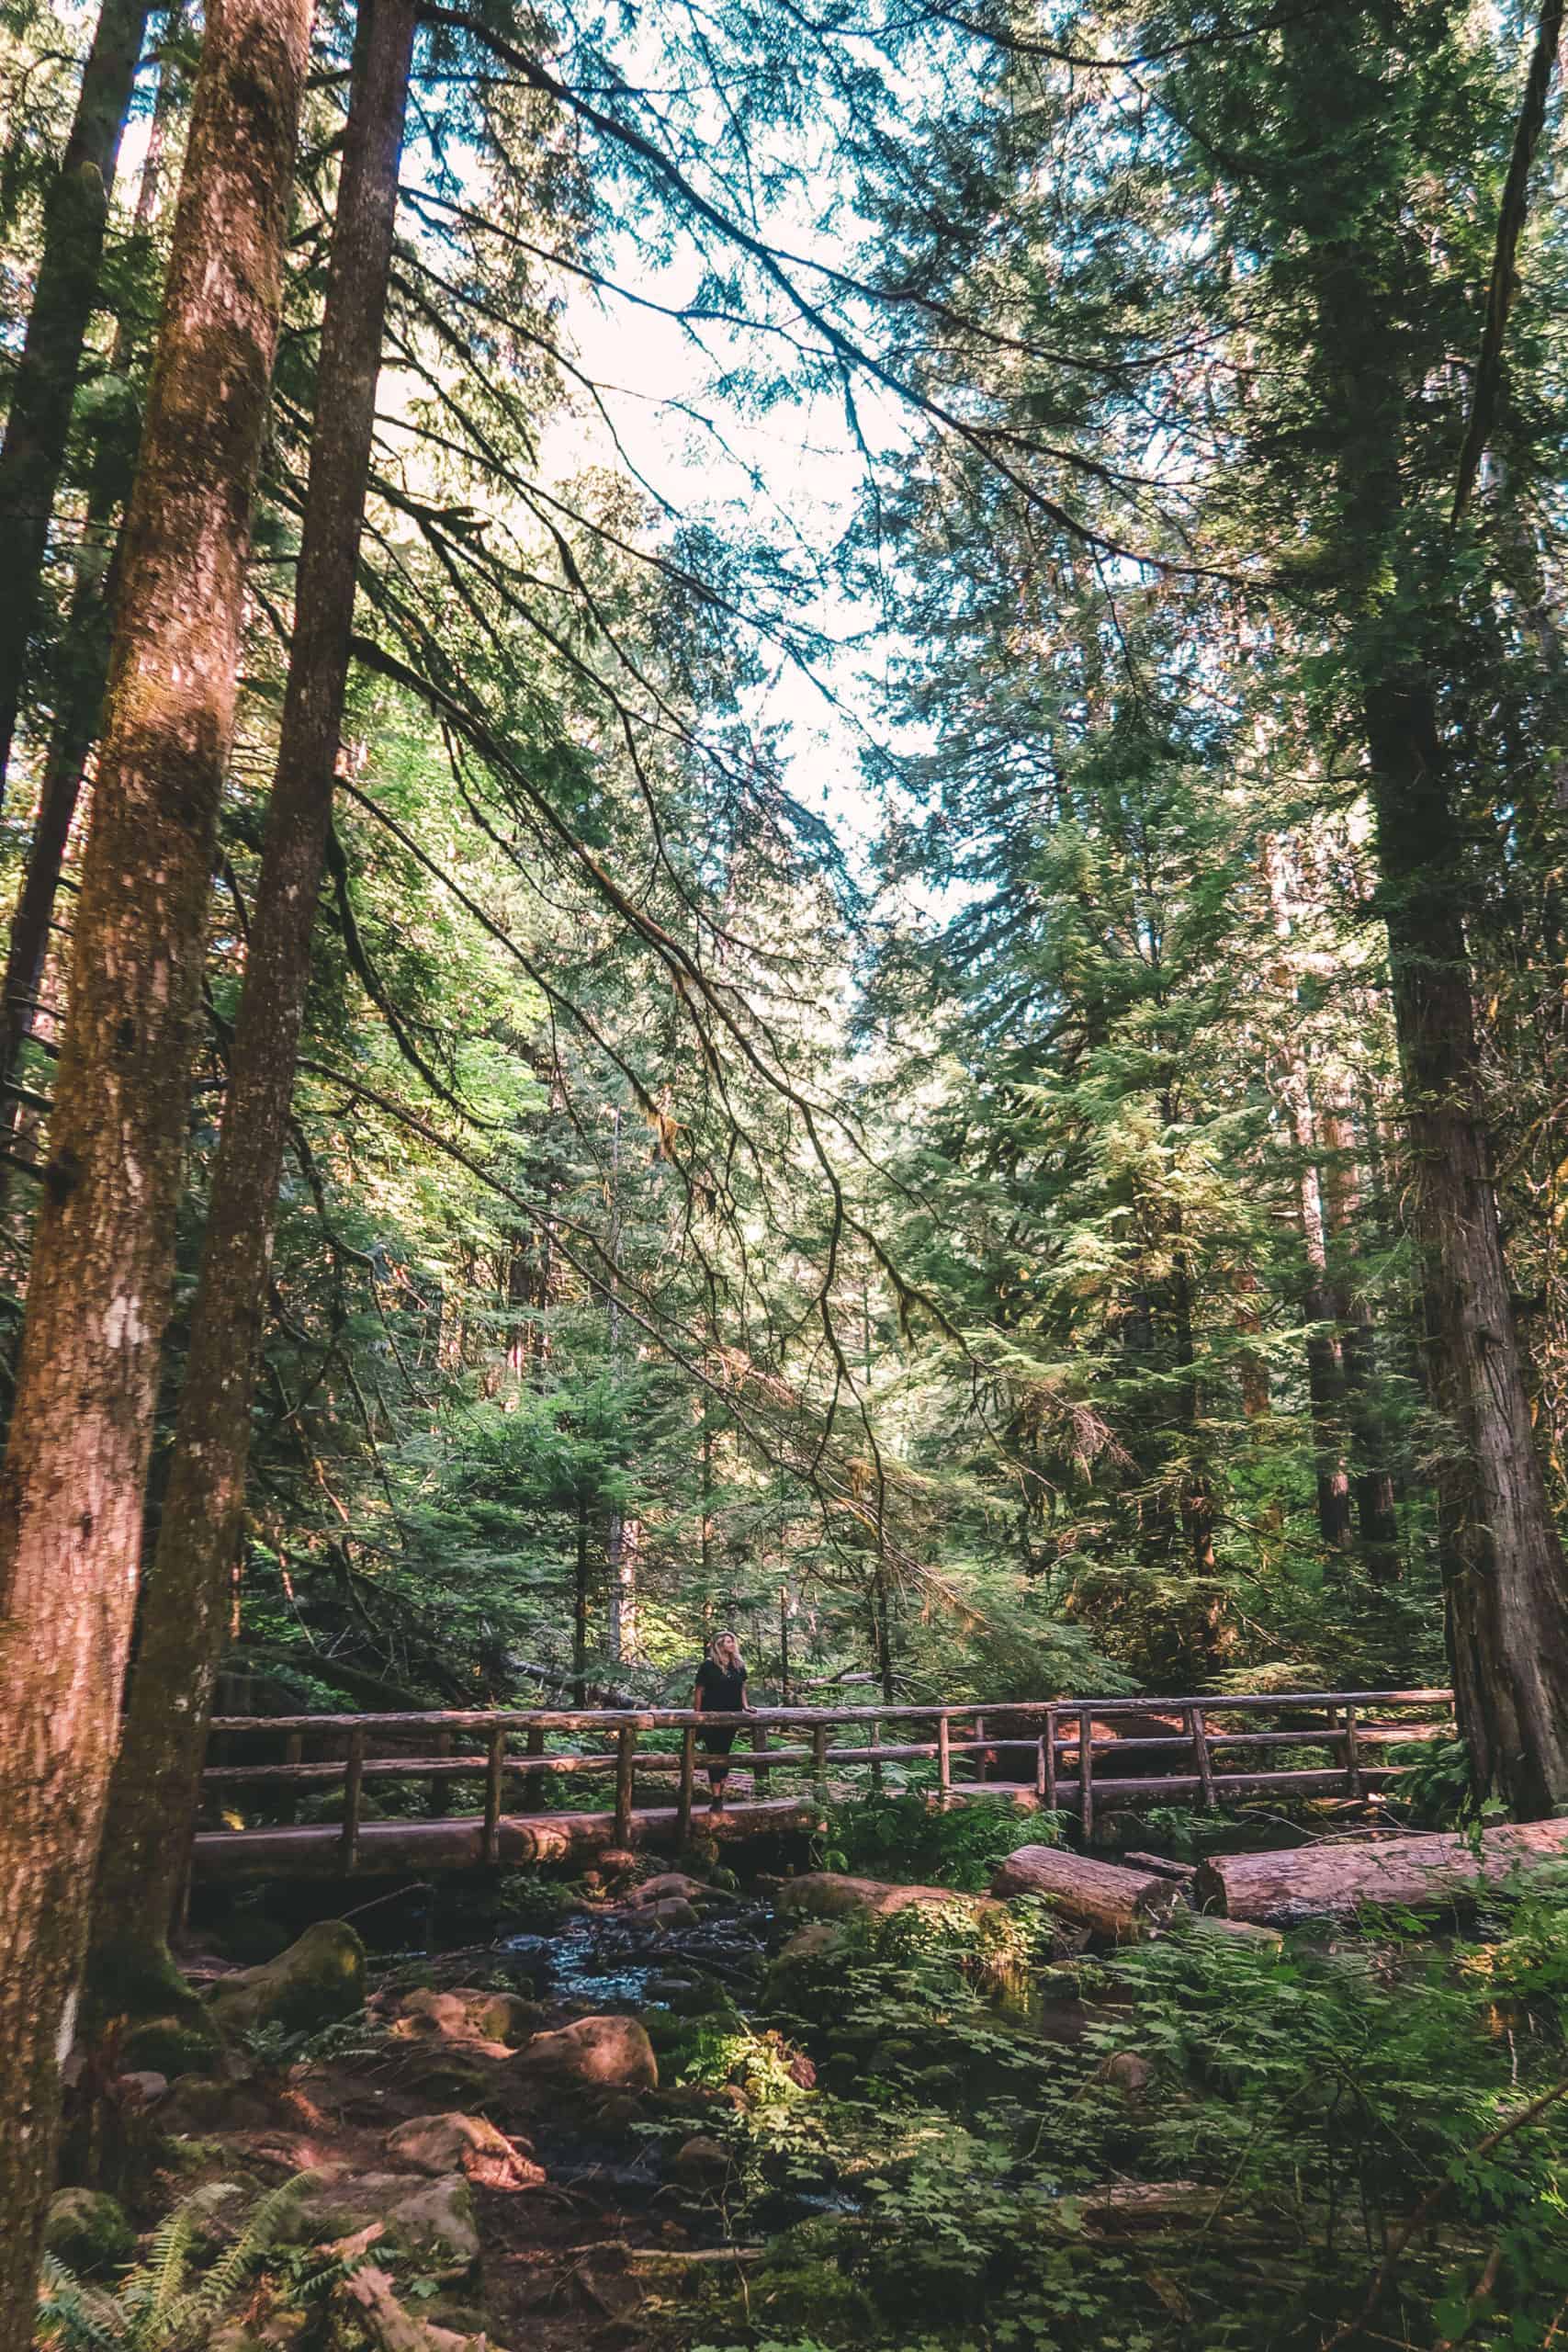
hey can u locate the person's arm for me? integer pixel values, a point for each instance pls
(697, 1695)
(746, 1694)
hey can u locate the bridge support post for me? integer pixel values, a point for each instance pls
(1050, 1745)
(353, 1787)
(626, 1755)
(436, 1791)
(495, 1769)
(1352, 1757)
(293, 1753)
(533, 1782)
(759, 1775)
(1201, 1757)
(819, 1762)
(1086, 1775)
(688, 1771)
(944, 1757)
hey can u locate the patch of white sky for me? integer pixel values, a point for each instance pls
(792, 471)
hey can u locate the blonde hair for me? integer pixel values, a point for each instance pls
(717, 1643)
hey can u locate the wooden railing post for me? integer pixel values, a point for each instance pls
(1051, 1758)
(944, 1756)
(1039, 1770)
(436, 1791)
(495, 1770)
(533, 1782)
(1085, 1774)
(353, 1787)
(626, 1768)
(1200, 1731)
(688, 1771)
(760, 1776)
(819, 1762)
(875, 1741)
(293, 1753)
(1352, 1758)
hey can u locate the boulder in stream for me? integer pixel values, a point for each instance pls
(613, 2053)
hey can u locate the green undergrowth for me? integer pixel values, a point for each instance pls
(905, 1836)
(942, 2187)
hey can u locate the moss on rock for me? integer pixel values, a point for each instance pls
(317, 1980)
(88, 2232)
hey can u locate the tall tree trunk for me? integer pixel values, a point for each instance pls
(580, 1608)
(82, 672)
(1504, 1573)
(157, 1777)
(71, 1488)
(1325, 1371)
(1377, 1522)
(623, 1545)
(33, 452)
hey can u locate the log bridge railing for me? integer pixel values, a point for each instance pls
(1056, 1751)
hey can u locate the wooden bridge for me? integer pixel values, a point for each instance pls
(1075, 1756)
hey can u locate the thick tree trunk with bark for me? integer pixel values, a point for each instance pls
(33, 452)
(157, 1779)
(81, 670)
(70, 1493)
(1504, 1573)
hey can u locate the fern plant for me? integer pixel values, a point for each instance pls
(168, 2302)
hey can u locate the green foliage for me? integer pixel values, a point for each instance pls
(906, 1837)
(1315, 2099)
(172, 2298)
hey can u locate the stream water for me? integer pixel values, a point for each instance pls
(622, 1962)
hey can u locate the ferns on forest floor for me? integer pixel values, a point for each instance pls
(172, 2301)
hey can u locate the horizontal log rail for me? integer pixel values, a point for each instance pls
(1058, 1753)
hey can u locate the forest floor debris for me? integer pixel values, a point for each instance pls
(865, 2130)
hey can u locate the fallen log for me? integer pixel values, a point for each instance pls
(1148, 2205)
(1334, 1881)
(1109, 1901)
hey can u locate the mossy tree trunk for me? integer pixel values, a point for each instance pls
(157, 1777)
(71, 1488)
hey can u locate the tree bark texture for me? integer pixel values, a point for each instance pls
(1121, 1903)
(1332, 1880)
(1504, 1573)
(71, 1488)
(33, 452)
(156, 1785)
(82, 667)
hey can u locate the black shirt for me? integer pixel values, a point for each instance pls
(721, 1687)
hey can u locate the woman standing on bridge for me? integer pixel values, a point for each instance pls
(720, 1690)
